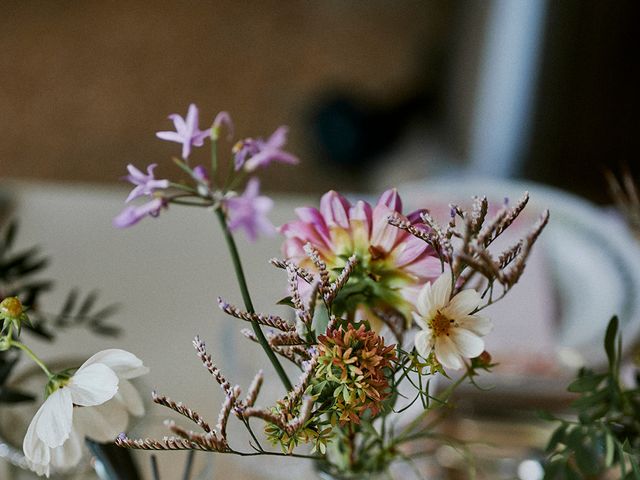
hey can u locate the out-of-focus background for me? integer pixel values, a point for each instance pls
(375, 92)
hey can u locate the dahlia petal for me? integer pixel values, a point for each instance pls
(383, 235)
(426, 268)
(360, 215)
(463, 303)
(416, 217)
(447, 353)
(411, 249)
(124, 364)
(54, 418)
(391, 199)
(93, 384)
(467, 343)
(424, 342)
(335, 209)
(477, 324)
(304, 231)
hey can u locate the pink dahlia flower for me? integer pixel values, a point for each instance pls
(392, 264)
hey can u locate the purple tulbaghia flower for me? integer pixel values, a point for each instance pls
(253, 153)
(248, 211)
(144, 184)
(223, 118)
(187, 132)
(201, 175)
(132, 214)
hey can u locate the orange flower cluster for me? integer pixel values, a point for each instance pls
(352, 374)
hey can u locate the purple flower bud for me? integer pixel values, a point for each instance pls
(223, 118)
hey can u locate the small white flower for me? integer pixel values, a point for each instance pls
(448, 327)
(104, 397)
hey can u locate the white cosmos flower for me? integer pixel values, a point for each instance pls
(448, 327)
(95, 402)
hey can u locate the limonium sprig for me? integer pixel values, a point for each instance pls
(379, 299)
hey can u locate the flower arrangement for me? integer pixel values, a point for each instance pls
(382, 303)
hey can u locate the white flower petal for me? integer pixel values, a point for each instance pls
(123, 363)
(477, 324)
(68, 455)
(420, 321)
(93, 384)
(468, 344)
(103, 423)
(424, 342)
(130, 397)
(447, 354)
(440, 292)
(423, 304)
(35, 451)
(463, 303)
(54, 418)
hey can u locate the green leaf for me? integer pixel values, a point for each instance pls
(556, 438)
(586, 383)
(610, 340)
(286, 301)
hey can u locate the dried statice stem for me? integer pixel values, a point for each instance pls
(254, 389)
(287, 338)
(209, 365)
(333, 290)
(303, 416)
(287, 351)
(302, 273)
(302, 313)
(208, 441)
(478, 213)
(182, 410)
(168, 443)
(272, 321)
(225, 410)
(503, 219)
(294, 396)
(321, 266)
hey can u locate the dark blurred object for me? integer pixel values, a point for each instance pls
(354, 132)
(118, 463)
(586, 117)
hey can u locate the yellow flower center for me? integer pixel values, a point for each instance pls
(441, 324)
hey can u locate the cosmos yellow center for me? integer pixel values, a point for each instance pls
(440, 324)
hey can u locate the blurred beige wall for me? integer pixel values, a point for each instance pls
(84, 85)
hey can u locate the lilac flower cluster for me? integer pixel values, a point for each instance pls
(246, 211)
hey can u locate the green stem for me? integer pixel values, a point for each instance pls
(31, 355)
(214, 160)
(246, 297)
(440, 401)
